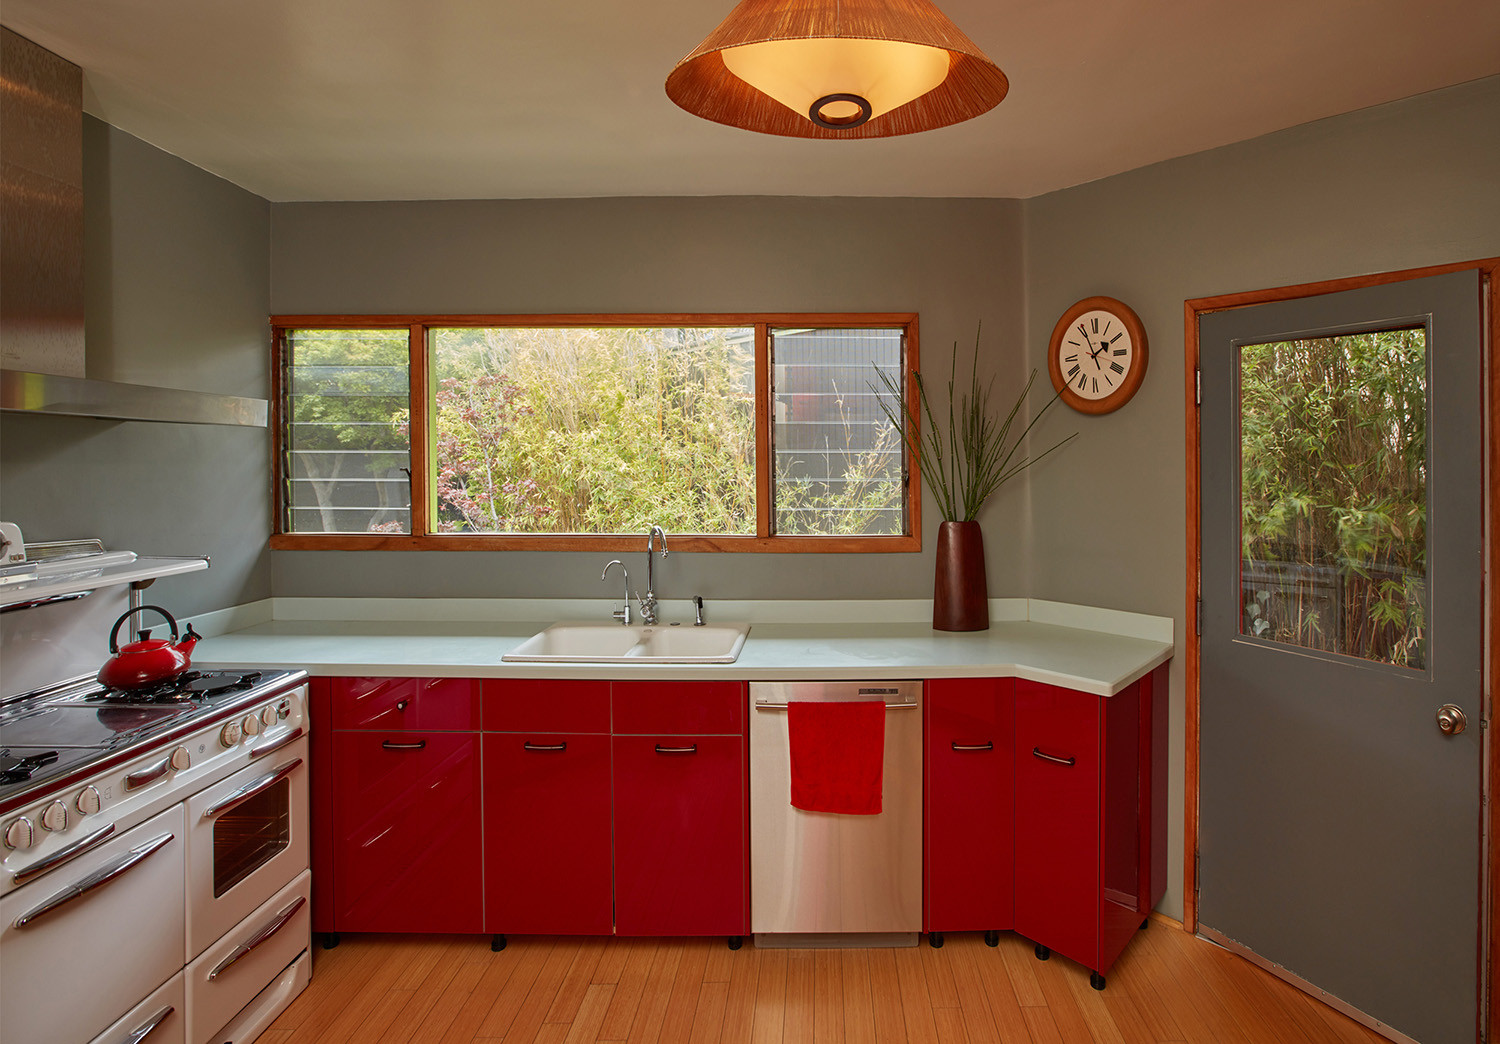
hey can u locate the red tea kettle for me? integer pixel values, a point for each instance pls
(149, 661)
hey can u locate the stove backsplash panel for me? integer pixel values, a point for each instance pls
(64, 640)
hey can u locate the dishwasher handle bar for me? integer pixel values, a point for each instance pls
(782, 706)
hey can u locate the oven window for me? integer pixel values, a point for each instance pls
(250, 835)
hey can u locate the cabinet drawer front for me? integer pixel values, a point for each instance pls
(680, 858)
(407, 843)
(542, 704)
(405, 703)
(970, 747)
(680, 708)
(547, 834)
(1057, 819)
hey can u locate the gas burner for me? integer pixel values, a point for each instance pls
(189, 685)
(18, 769)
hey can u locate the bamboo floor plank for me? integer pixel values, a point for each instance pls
(1168, 988)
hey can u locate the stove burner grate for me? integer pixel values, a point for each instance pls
(189, 685)
(19, 770)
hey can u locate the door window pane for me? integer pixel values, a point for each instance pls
(348, 447)
(838, 463)
(1333, 488)
(594, 430)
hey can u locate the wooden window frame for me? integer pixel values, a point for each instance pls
(423, 496)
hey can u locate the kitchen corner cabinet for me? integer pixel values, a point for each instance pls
(547, 808)
(969, 837)
(404, 792)
(1090, 804)
(680, 799)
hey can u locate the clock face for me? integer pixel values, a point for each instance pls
(1097, 357)
(1097, 354)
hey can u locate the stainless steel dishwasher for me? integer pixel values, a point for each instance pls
(821, 873)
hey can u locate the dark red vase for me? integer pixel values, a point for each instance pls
(960, 597)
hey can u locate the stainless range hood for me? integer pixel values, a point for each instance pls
(42, 359)
(25, 392)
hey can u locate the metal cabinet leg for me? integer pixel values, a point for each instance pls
(497, 943)
(1042, 953)
(935, 940)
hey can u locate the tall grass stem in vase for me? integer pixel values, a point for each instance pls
(964, 463)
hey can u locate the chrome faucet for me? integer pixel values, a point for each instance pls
(658, 537)
(623, 613)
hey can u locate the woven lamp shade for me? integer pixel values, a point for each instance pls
(703, 84)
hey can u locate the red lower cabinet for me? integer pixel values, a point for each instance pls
(406, 844)
(547, 834)
(680, 859)
(969, 837)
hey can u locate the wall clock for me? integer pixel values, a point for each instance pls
(1097, 356)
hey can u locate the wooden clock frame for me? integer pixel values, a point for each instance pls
(1132, 382)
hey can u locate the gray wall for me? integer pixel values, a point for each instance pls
(1397, 186)
(176, 278)
(955, 261)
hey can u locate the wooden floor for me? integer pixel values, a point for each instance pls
(1168, 986)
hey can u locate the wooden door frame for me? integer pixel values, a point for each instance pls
(1489, 268)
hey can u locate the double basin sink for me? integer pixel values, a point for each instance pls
(642, 643)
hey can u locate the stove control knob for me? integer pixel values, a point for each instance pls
(251, 725)
(20, 834)
(229, 735)
(55, 817)
(181, 759)
(87, 801)
(268, 716)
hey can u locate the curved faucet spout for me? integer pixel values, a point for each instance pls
(623, 613)
(656, 539)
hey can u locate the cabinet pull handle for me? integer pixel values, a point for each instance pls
(243, 950)
(528, 745)
(390, 745)
(140, 778)
(276, 744)
(1037, 751)
(254, 787)
(105, 874)
(401, 705)
(987, 745)
(691, 748)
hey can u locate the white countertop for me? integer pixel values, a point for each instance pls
(1091, 650)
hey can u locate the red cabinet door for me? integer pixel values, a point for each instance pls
(680, 859)
(679, 708)
(405, 703)
(546, 834)
(970, 835)
(1058, 819)
(406, 845)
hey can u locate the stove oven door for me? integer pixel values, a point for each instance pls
(83, 945)
(247, 838)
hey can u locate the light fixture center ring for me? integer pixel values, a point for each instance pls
(840, 101)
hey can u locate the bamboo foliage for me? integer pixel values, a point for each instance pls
(965, 462)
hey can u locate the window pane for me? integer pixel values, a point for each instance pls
(1333, 461)
(348, 443)
(838, 458)
(608, 430)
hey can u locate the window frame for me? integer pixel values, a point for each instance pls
(420, 399)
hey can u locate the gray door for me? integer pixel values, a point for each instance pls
(1342, 491)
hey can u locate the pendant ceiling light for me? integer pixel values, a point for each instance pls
(837, 69)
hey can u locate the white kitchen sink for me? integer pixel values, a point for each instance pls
(614, 643)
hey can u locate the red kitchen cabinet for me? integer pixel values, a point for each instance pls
(406, 703)
(680, 855)
(406, 848)
(1090, 779)
(969, 833)
(547, 833)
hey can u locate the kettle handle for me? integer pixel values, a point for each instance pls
(114, 635)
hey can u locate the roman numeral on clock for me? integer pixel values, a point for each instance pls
(1073, 372)
(1117, 367)
(1083, 380)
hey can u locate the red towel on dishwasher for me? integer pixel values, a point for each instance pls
(837, 753)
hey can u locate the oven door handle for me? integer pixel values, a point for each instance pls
(148, 1027)
(276, 744)
(261, 936)
(255, 786)
(60, 857)
(102, 876)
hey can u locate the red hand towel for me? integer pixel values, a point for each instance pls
(837, 752)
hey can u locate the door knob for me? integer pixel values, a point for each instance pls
(1451, 720)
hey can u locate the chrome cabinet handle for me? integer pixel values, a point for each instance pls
(60, 857)
(148, 1027)
(528, 745)
(139, 779)
(106, 873)
(277, 743)
(254, 787)
(243, 950)
(987, 745)
(691, 748)
(393, 745)
(1037, 752)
